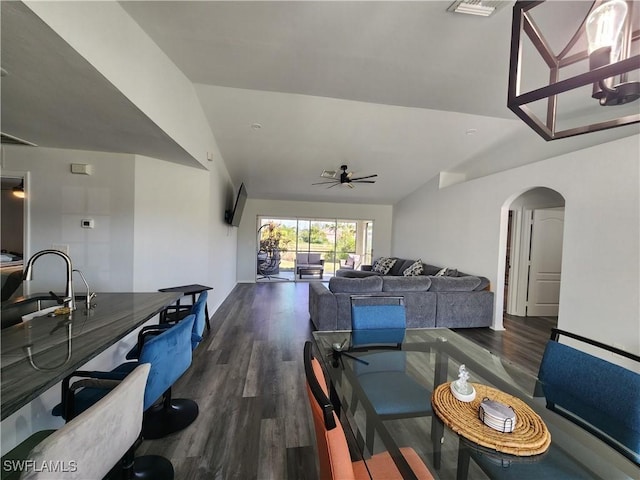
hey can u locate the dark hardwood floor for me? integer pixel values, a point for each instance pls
(522, 342)
(248, 379)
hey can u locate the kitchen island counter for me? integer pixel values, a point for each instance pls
(38, 353)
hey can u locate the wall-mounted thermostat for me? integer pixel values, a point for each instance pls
(87, 223)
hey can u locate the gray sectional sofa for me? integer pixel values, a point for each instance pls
(455, 301)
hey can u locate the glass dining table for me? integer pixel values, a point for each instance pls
(431, 358)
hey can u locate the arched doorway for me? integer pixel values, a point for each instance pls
(533, 254)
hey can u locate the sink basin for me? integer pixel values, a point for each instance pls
(14, 310)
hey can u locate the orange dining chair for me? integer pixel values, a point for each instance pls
(333, 452)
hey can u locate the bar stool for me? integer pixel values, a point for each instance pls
(168, 350)
(92, 444)
(192, 290)
(168, 318)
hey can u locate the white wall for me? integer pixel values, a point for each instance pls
(463, 226)
(58, 200)
(247, 236)
(178, 221)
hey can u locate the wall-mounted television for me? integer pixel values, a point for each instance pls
(232, 217)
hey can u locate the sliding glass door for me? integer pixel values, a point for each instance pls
(323, 245)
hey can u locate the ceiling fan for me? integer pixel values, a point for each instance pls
(345, 178)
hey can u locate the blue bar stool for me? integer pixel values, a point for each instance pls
(169, 351)
(169, 318)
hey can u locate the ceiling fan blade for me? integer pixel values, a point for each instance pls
(367, 176)
(350, 185)
(363, 181)
(334, 185)
(323, 183)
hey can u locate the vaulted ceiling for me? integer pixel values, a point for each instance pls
(402, 89)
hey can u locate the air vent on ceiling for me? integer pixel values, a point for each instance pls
(5, 138)
(483, 8)
(328, 174)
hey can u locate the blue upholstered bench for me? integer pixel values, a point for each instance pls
(600, 396)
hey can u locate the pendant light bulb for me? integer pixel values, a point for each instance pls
(604, 28)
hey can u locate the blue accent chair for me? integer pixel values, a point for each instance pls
(169, 351)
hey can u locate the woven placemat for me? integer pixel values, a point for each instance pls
(529, 437)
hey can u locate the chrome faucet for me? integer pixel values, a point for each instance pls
(90, 296)
(68, 294)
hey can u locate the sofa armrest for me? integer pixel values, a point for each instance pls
(323, 308)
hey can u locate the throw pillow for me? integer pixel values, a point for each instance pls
(441, 273)
(414, 269)
(383, 265)
(447, 272)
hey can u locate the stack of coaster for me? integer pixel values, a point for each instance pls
(529, 436)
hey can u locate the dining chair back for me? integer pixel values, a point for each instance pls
(333, 451)
(377, 324)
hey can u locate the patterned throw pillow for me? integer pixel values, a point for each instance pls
(375, 263)
(414, 269)
(441, 273)
(383, 265)
(447, 272)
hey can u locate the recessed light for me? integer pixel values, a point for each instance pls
(471, 131)
(256, 126)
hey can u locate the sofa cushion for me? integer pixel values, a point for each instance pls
(302, 258)
(349, 273)
(355, 285)
(419, 283)
(383, 265)
(414, 269)
(454, 284)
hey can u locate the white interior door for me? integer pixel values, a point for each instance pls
(545, 262)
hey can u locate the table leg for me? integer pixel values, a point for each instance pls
(437, 434)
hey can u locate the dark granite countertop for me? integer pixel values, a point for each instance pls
(38, 353)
